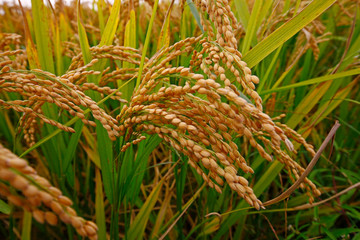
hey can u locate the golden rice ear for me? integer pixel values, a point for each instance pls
(36, 193)
(201, 119)
(217, 103)
(38, 87)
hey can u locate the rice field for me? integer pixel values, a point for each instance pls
(204, 119)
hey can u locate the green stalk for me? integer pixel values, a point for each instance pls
(26, 228)
(146, 45)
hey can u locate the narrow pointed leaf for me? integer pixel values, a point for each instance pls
(129, 41)
(4, 207)
(99, 206)
(325, 78)
(251, 30)
(26, 227)
(147, 42)
(286, 31)
(109, 32)
(100, 4)
(164, 38)
(137, 228)
(42, 35)
(29, 43)
(195, 13)
(243, 12)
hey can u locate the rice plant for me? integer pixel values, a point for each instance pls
(179, 120)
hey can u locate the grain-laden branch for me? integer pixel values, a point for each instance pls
(23, 187)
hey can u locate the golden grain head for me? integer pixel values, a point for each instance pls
(34, 195)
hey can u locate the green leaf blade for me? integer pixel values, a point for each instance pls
(286, 31)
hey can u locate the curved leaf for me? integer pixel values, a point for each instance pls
(286, 31)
